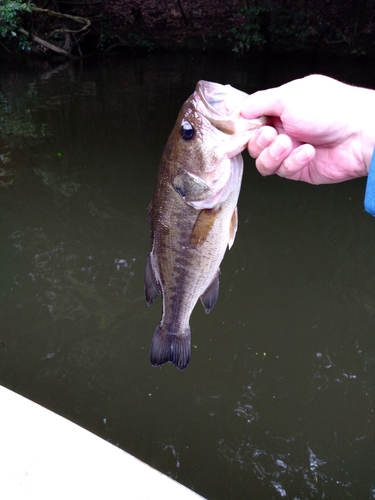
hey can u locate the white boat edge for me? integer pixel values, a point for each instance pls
(44, 456)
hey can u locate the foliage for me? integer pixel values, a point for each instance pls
(248, 36)
(139, 42)
(10, 21)
(272, 25)
(304, 26)
(105, 35)
(292, 30)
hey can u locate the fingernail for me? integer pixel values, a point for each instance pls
(263, 141)
(278, 148)
(304, 155)
(266, 136)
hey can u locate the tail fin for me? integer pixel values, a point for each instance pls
(170, 347)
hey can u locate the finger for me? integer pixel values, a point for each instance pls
(262, 103)
(294, 165)
(262, 138)
(272, 157)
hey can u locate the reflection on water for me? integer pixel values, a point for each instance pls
(278, 400)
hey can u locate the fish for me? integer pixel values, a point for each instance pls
(193, 212)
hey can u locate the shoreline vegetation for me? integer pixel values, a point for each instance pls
(73, 29)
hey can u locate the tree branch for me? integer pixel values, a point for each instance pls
(78, 19)
(45, 44)
(82, 20)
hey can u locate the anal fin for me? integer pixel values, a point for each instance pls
(210, 295)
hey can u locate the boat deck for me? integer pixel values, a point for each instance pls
(43, 455)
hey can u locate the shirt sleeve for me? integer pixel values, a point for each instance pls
(370, 188)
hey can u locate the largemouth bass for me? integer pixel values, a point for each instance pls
(193, 213)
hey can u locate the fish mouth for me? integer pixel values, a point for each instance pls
(213, 96)
(213, 99)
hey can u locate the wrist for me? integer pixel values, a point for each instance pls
(367, 126)
(368, 145)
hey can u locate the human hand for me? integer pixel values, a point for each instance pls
(319, 130)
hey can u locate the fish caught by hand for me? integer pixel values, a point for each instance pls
(193, 213)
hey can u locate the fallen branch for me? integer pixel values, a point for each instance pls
(50, 46)
(45, 44)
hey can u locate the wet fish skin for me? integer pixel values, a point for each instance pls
(193, 214)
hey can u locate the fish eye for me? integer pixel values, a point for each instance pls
(187, 131)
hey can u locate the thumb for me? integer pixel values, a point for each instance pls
(264, 102)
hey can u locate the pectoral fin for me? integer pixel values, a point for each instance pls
(150, 284)
(209, 297)
(233, 228)
(203, 226)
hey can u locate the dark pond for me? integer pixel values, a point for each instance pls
(278, 400)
